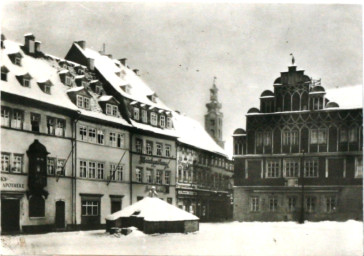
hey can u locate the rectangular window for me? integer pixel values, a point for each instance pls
(120, 140)
(100, 136)
(60, 127)
(267, 138)
(26, 82)
(273, 204)
(79, 101)
(83, 102)
(158, 177)
(115, 110)
(169, 200)
(353, 134)
(139, 174)
(68, 81)
(149, 148)
(139, 145)
(162, 121)
(310, 203)
(100, 171)
(290, 138)
(91, 170)
(149, 176)
(311, 168)
(273, 169)
(343, 135)
(17, 61)
(51, 166)
(168, 150)
(83, 133)
(5, 162)
(136, 113)
(92, 135)
(86, 103)
(167, 177)
(60, 167)
(291, 168)
(144, 116)
(292, 204)
(90, 208)
(259, 139)
(108, 109)
(359, 167)
(51, 125)
(314, 139)
(116, 172)
(318, 136)
(330, 204)
(17, 164)
(153, 118)
(35, 122)
(17, 120)
(83, 169)
(254, 204)
(112, 139)
(169, 122)
(159, 149)
(5, 116)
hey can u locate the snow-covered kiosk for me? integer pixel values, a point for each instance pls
(153, 215)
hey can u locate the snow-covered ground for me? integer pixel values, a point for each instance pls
(234, 238)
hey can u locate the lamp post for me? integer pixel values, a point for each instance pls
(302, 213)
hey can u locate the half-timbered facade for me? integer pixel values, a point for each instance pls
(300, 156)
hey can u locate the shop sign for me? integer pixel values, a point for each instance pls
(7, 184)
(160, 189)
(154, 161)
(185, 192)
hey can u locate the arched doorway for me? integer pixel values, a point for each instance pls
(60, 214)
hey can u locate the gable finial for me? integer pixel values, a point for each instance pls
(293, 60)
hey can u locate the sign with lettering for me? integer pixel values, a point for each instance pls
(160, 189)
(154, 161)
(185, 192)
(12, 183)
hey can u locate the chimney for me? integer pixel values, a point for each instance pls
(90, 63)
(82, 44)
(123, 61)
(29, 42)
(2, 41)
(136, 71)
(37, 46)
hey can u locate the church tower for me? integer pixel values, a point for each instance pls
(213, 118)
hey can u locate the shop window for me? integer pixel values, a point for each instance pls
(310, 204)
(5, 116)
(254, 204)
(292, 203)
(330, 204)
(90, 208)
(36, 206)
(5, 162)
(35, 122)
(273, 204)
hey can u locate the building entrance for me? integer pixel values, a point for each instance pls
(10, 213)
(60, 214)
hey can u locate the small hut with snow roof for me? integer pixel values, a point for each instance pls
(153, 215)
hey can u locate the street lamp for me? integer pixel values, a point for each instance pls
(302, 214)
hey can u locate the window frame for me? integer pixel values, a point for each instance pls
(254, 204)
(273, 168)
(8, 155)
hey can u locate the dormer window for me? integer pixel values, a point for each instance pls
(153, 118)
(169, 122)
(68, 81)
(111, 110)
(80, 71)
(24, 80)
(83, 102)
(4, 73)
(84, 84)
(16, 58)
(45, 86)
(152, 97)
(144, 116)
(126, 88)
(136, 113)
(17, 61)
(98, 89)
(162, 121)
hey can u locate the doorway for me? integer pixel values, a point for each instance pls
(60, 214)
(10, 213)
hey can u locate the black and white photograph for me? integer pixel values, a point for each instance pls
(181, 128)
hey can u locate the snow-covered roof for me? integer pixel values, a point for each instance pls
(76, 89)
(108, 67)
(347, 96)
(192, 133)
(153, 209)
(105, 98)
(154, 129)
(38, 69)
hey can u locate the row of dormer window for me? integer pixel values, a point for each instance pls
(162, 121)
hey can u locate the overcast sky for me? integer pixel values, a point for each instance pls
(180, 47)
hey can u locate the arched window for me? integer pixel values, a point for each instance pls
(304, 101)
(287, 102)
(296, 101)
(36, 206)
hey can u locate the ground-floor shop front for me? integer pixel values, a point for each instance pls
(207, 205)
(313, 203)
